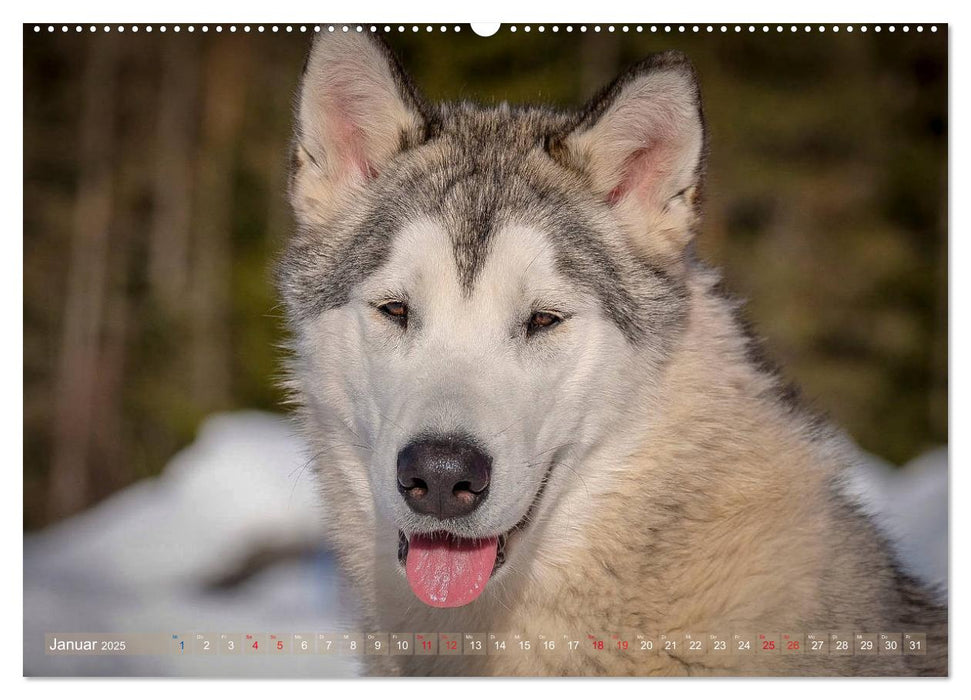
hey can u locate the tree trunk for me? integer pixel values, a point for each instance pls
(169, 252)
(83, 311)
(212, 248)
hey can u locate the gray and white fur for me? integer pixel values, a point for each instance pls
(650, 470)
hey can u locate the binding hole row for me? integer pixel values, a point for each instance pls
(428, 28)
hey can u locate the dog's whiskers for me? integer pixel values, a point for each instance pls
(313, 458)
(514, 421)
(393, 424)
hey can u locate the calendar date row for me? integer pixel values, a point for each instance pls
(492, 643)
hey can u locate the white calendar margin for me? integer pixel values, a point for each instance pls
(434, 11)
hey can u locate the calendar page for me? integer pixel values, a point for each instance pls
(535, 350)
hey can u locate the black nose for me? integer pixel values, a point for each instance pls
(444, 477)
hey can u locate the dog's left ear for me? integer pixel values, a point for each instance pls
(641, 146)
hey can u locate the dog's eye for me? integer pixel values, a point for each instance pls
(395, 310)
(541, 321)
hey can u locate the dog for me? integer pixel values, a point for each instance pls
(534, 410)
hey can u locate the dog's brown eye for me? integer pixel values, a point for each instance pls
(541, 320)
(396, 310)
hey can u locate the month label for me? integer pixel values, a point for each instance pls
(81, 644)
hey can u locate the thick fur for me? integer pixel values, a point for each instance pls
(651, 470)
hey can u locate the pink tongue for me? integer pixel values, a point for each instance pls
(446, 572)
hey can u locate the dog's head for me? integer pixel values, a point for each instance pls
(476, 293)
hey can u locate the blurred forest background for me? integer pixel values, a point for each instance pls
(154, 204)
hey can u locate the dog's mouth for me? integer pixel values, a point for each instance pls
(446, 571)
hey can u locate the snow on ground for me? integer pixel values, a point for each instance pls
(141, 560)
(910, 505)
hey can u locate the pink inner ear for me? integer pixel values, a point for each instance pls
(347, 108)
(616, 194)
(643, 172)
(351, 148)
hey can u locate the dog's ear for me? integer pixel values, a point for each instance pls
(356, 109)
(641, 147)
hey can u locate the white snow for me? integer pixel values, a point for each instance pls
(910, 505)
(140, 560)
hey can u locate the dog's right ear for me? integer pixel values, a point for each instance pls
(356, 110)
